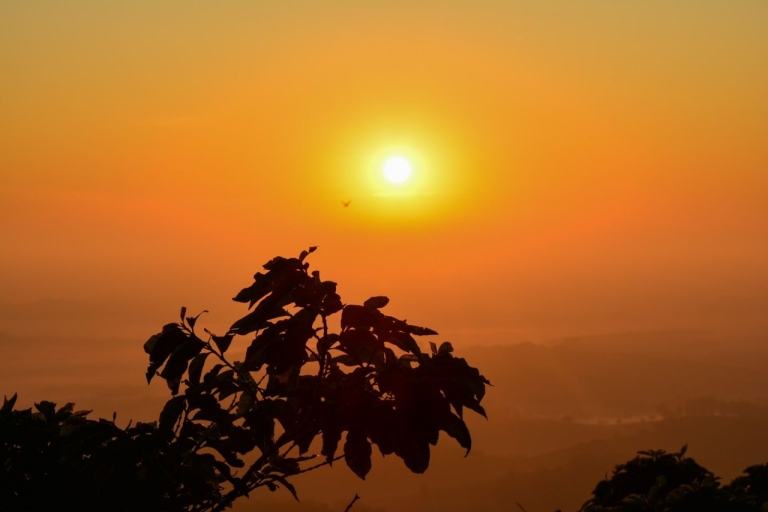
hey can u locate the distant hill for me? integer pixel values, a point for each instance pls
(621, 376)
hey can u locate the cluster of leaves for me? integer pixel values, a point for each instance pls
(295, 392)
(301, 388)
(657, 481)
(58, 459)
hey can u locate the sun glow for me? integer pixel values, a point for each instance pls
(397, 169)
(395, 174)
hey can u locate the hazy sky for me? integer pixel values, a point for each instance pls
(579, 167)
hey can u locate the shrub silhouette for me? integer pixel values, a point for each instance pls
(60, 460)
(751, 488)
(659, 481)
(233, 426)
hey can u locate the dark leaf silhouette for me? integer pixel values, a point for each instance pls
(171, 412)
(223, 342)
(8, 404)
(376, 302)
(357, 452)
(196, 368)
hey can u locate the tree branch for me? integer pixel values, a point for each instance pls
(352, 502)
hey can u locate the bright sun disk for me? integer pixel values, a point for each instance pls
(397, 169)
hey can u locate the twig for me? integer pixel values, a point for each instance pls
(326, 463)
(352, 502)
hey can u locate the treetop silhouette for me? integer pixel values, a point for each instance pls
(659, 481)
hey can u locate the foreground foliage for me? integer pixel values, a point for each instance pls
(282, 405)
(657, 481)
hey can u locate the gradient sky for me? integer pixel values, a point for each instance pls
(579, 167)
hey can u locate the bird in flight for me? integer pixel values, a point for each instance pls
(346, 203)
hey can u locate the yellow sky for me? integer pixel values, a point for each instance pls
(579, 167)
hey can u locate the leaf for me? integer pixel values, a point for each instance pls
(417, 457)
(383, 429)
(178, 362)
(245, 403)
(213, 373)
(362, 345)
(477, 408)
(192, 320)
(331, 303)
(183, 313)
(48, 409)
(421, 331)
(376, 302)
(403, 341)
(83, 414)
(260, 422)
(196, 367)
(361, 317)
(258, 318)
(357, 452)
(433, 347)
(172, 411)
(406, 360)
(457, 429)
(331, 438)
(277, 263)
(304, 254)
(65, 411)
(353, 316)
(223, 342)
(208, 409)
(8, 404)
(162, 345)
(305, 439)
(285, 483)
(261, 286)
(346, 360)
(149, 345)
(328, 287)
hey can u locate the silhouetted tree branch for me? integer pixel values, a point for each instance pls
(349, 507)
(299, 386)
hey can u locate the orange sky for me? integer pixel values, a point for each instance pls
(579, 167)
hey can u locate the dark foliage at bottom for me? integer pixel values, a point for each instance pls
(57, 459)
(656, 481)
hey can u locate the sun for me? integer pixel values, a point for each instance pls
(397, 169)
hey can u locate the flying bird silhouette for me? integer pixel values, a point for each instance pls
(346, 203)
